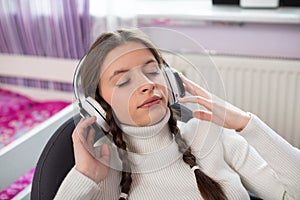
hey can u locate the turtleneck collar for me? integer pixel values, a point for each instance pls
(152, 147)
(148, 148)
(148, 139)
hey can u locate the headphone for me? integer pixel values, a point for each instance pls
(88, 106)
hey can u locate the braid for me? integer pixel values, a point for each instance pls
(126, 179)
(209, 189)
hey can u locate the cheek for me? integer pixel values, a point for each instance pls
(162, 85)
(120, 99)
(116, 97)
(121, 103)
(164, 92)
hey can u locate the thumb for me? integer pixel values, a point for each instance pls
(105, 154)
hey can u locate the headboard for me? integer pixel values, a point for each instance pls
(39, 77)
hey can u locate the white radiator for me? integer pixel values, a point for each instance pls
(267, 87)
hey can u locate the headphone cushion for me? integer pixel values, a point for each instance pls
(93, 108)
(175, 84)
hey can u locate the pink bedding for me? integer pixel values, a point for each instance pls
(18, 114)
(12, 190)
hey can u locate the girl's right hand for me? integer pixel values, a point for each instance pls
(85, 159)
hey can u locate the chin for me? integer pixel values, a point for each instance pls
(156, 114)
(150, 117)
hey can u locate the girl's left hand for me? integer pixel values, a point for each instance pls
(218, 111)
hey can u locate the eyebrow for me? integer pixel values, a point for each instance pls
(126, 70)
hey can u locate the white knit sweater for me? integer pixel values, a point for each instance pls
(256, 160)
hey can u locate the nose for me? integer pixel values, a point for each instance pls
(146, 85)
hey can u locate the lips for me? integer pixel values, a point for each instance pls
(150, 102)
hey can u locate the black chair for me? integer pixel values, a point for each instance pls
(57, 159)
(55, 162)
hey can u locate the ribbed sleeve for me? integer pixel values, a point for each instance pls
(281, 156)
(255, 173)
(76, 186)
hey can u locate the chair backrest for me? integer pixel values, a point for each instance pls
(55, 162)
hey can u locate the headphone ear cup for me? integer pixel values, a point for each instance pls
(175, 84)
(168, 75)
(91, 107)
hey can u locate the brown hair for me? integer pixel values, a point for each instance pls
(209, 189)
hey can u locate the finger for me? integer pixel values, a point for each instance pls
(105, 154)
(91, 137)
(80, 133)
(75, 134)
(197, 99)
(84, 123)
(83, 126)
(104, 150)
(194, 88)
(80, 150)
(209, 116)
(89, 142)
(203, 115)
(78, 141)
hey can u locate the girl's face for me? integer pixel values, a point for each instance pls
(133, 84)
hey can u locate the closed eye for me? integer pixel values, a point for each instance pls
(153, 73)
(123, 83)
(151, 68)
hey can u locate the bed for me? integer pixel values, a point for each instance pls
(36, 97)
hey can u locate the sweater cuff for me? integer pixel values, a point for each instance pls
(263, 138)
(254, 125)
(77, 186)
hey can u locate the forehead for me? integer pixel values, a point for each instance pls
(129, 54)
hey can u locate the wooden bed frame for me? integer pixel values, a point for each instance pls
(21, 155)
